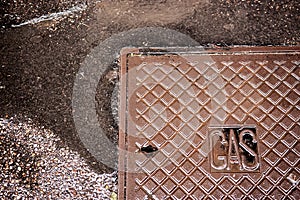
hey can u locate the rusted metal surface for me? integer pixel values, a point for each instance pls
(210, 123)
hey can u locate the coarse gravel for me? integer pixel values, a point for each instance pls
(34, 166)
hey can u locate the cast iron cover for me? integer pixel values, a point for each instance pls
(210, 123)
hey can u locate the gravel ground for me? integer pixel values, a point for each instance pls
(33, 166)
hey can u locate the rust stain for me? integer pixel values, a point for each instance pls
(163, 12)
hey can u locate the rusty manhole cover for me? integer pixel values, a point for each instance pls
(210, 124)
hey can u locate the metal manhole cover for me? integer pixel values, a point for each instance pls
(210, 124)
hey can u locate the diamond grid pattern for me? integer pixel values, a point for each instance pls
(175, 103)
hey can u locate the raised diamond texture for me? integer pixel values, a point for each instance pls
(175, 98)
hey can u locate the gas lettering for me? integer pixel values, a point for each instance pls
(234, 149)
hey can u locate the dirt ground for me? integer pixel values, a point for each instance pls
(39, 61)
